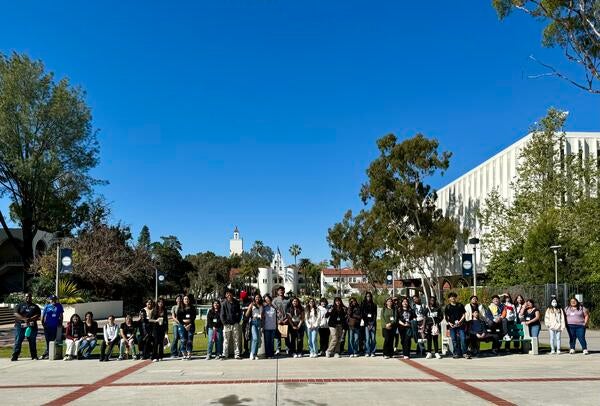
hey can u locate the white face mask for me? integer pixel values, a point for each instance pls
(554, 303)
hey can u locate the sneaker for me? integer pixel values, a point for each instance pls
(337, 355)
(386, 357)
(507, 338)
(552, 352)
(327, 354)
(572, 351)
(155, 360)
(45, 356)
(66, 358)
(467, 356)
(438, 356)
(455, 356)
(585, 352)
(237, 357)
(557, 352)
(428, 356)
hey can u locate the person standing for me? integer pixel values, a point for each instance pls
(389, 320)
(269, 320)
(88, 342)
(323, 326)
(532, 317)
(186, 315)
(52, 319)
(159, 319)
(231, 315)
(354, 318)
(405, 317)
(577, 320)
(295, 318)
(337, 318)
(418, 324)
(454, 313)
(369, 323)
(214, 328)
(312, 319)
(282, 305)
(554, 319)
(146, 342)
(27, 315)
(175, 328)
(111, 338)
(254, 314)
(432, 325)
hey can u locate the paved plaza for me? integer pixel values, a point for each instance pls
(513, 379)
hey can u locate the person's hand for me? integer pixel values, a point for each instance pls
(388, 326)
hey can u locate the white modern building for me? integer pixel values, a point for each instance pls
(276, 275)
(463, 197)
(236, 244)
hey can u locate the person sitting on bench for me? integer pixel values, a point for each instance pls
(111, 338)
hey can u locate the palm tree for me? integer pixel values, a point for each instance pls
(295, 250)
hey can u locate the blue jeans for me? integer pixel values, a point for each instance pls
(353, 336)
(576, 332)
(312, 340)
(87, 347)
(534, 330)
(187, 339)
(212, 334)
(269, 341)
(370, 340)
(255, 344)
(175, 340)
(457, 333)
(20, 336)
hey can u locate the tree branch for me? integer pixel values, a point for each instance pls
(554, 72)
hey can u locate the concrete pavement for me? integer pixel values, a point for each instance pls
(514, 379)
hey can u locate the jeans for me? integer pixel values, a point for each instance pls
(370, 340)
(176, 339)
(215, 336)
(353, 336)
(87, 346)
(187, 339)
(554, 340)
(534, 330)
(50, 335)
(269, 341)
(255, 343)
(20, 336)
(576, 332)
(312, 340)
(127, 345)
(457, 333)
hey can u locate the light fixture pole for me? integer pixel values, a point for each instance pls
(555, 249)
(474, 241)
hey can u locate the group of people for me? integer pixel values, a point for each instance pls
(472, 323)
(232, 327)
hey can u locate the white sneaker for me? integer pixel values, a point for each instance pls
(327, 354)
(571, 351)
(428, 356)
(277, 352)
(337, 355)
(438, 356)
(557, 352)
(585, 352)
(507, 338)
(552, 352)
(386, 357)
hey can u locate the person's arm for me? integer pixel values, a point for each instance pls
(586, 317)
(222, 312)
(37, 314)
(249, 310)
(537, 316)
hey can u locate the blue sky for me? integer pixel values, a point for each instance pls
(264, 114)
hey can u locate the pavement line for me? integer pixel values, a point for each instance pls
(87, 389)
(460, 384)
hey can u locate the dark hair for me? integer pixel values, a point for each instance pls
(179, 296)
(308, 308)
(89, 314)
(73, 316)
(530, 301)
(281, 287)
(473, 296)
(111, 315)
(160, 300)
(519, 296)
(452, 294)
(336, 299)
(267, 296)
(323, 300)
(495, 297)
(576, 300)
(435, 303)
(407, 303)
(215, 302)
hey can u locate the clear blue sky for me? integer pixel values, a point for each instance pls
(264, 114)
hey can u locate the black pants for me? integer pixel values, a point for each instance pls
(323, 339)
(110, 346)
(147, 346)
(158, 336)
(296, 340)
(435, 340)
(406, 341)
(396, 338)
(388, 341)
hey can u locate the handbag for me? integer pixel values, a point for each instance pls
(166, 342)
(283, 330)
(435, 330)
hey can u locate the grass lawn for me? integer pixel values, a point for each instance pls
(200, 344)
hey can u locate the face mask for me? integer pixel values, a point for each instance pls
(554, 303)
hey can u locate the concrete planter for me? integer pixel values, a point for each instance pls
(101, 310)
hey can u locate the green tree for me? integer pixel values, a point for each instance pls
(262, 251)
(47, 149)
(210, 274)
(573, 26)
(312, 276)
(167, 256)
(295, 250)
(144, 240)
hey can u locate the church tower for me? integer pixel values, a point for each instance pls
(236, 244)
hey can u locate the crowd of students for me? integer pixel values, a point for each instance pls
(239, 328)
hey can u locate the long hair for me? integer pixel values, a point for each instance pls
(576, 301)
(309, 307)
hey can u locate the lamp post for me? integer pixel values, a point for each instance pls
(555, 249)
(474, 241)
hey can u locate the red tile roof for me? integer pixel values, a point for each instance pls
(342, 272)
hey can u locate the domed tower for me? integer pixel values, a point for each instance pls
(236, 244)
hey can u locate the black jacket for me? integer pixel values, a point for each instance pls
(231, 313)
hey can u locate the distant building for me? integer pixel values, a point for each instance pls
(236, 244)
(341, 280)
(12, 270)
(278, 274)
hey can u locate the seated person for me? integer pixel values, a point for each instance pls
(111, 338)
(90, 328)
(496, 309)
(73, 336)
(127, 347)
(477, 332)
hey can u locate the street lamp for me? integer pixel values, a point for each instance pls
(474, 241)
(555, 249)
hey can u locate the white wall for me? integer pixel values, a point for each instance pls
(101, 310)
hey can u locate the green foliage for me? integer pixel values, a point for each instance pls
(68, 292)
(295, 250)
(209, 275)
(167, 255)
(571, 26)
(48, 149)
(144, 240)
